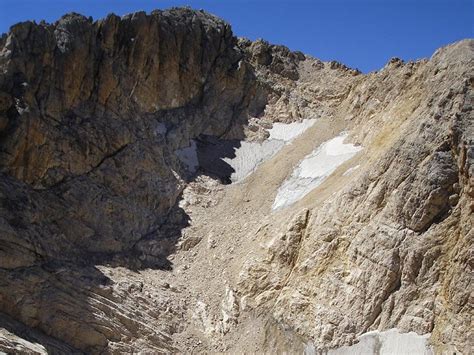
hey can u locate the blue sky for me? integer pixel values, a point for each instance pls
(363, 34)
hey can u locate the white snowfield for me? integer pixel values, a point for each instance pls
(250, 155)
(288, 131)
(389, 342)
(314, 169)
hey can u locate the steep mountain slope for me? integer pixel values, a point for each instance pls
(121, 231)
(391, 247)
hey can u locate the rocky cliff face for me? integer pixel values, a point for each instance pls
(101, 107)
(91, 116)
(390, 248)
(112, 242)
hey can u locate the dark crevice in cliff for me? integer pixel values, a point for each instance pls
(93, 88)
(211, 152)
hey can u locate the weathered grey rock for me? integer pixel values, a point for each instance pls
(96, 205)
(90, 103)
(391, 249)
(90, 116)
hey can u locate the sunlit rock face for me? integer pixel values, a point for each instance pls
(376, 246)
(166, 187)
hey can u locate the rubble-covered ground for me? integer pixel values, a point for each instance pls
(166, 187)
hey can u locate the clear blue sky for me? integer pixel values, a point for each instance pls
(363, 34)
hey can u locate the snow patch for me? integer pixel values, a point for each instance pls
(250, 155)
(188, 156)
(389, 342)
(288, 131)
(314, 169)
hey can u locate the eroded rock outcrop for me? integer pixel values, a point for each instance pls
(382, 252)
(100, 107)
(92, 113)
(109, 243)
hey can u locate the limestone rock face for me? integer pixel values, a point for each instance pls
(91, 114)
(382, 252)
(94, 112)
(299, 86)
(110, 242)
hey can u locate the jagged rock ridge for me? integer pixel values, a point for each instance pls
(109, 244)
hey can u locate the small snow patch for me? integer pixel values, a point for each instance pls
(233, 160)
(314, 169)
(388, 342)
(188, 156)
(288, 131)
(250, 155)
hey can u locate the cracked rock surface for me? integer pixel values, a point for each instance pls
(110, 244)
